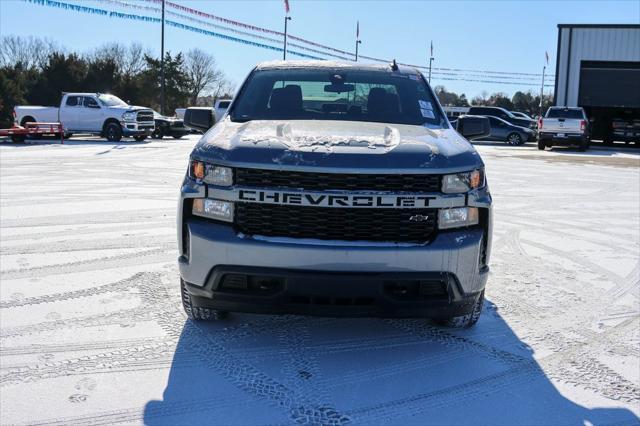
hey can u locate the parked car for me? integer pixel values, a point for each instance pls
(307, 199)
(93, 113)
(502, 130)
(168, 126)
(565, 126)
(503, 114)
(521, 115)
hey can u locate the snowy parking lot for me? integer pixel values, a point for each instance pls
(93, 332)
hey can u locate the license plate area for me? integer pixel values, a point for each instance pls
(561, 135)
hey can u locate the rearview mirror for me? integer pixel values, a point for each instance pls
(473, 126)
(339, 88)
(199, 118)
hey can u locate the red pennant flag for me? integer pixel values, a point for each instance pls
(286, 6)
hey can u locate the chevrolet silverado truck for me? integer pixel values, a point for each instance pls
(336, 189)
(92, 113)
(564, 126)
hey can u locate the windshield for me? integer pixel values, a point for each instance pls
(353, 95)
(111, 101)
(564, 113)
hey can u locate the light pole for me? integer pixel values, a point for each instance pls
(162, 64)
(430, 62)
(357, 43)
(544, 67)
(284, 52)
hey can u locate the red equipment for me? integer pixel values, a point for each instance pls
(19, 133)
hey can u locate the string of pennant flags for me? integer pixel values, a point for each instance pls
(450, 74)
(157, 10)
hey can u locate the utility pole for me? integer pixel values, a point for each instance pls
(284, 52)
(162, 88)
(357, 39)
(430, 62)
(542, 89)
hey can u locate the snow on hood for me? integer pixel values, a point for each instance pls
(336, 144)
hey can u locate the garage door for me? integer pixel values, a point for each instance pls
(609, 84)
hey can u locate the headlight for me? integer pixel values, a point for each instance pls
(457, 217)
(213, 209)
(129, 116)
(213, 175)
(462, 182)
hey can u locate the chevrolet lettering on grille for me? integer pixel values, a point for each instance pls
(338, 199)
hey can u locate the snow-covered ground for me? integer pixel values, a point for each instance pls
(92, 330)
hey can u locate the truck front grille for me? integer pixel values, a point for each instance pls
(145, 116)
(347, 224)
(339, 181)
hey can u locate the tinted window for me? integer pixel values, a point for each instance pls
(354, 95)
(90, 102)
(224, 104)
(111, 101)
(73, 101)
(564, 113)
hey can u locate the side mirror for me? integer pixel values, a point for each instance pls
(473, 126)
(199, 118)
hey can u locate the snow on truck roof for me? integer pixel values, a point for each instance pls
(333, 65)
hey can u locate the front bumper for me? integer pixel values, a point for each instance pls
(136, 128)
(332, 271)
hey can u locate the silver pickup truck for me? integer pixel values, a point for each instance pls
(336, 189)
(564, 126)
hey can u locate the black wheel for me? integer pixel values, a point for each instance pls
(541, 145)
(18, 138)
(584, 145)
(158, 133)
(177, 136)
(514, 139)
(113, 132)
(464, 321)
(196, 313)
(140, 138)
(68, 135)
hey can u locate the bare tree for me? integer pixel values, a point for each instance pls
(203, 73)
(31, 52)
(129, 59)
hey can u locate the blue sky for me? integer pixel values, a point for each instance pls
(510, 36)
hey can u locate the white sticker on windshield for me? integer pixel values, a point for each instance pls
(425, 105)
(427, 113)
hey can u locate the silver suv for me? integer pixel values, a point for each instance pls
(336, 189)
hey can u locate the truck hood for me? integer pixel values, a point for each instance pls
(324, 145)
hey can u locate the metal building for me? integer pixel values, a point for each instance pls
(598, 68)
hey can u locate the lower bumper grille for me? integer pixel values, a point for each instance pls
(347, 224)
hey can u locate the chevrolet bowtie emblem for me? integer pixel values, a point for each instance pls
(418, 218)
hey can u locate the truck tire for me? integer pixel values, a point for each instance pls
(514, 139)
(177, 136)
(140, 138)
(196, 313)
(158, 133)
(113, 132)
(541, 145)
(464, 321)
(18, 138)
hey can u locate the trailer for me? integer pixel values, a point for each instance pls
(19, 133)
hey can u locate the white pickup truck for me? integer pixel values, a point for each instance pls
(93, 113)
(566, 126)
